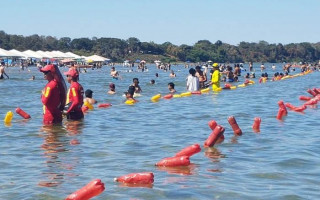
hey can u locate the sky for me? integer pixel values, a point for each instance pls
(175, 21)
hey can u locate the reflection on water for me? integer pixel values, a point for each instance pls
(56, 143)
(181, 170)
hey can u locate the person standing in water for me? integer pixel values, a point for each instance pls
(215, 79)
(202, 76)
(192, 81)
(2, 72)
(74, 96)
(51, 97)
(113, 73)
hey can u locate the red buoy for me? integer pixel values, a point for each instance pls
(136, 178)
(280, 114)
(92, 189)
(290, 106)
(214, 136)
(300, 108)
(316, 91)
(221, 139)
(304, 98)
(311, 92)
(84, 109)
(312, 101)
(233, 123)
(104, 105)
(168, 96)
(256, 124)
(281, 105)
(22, 113)
(227, 86)
(189, 151)
(212, 124)
(196, 92)
(174, 161)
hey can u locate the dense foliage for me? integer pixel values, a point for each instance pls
(133, 48)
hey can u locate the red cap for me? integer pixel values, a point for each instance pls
(72, 72)
(48, 68)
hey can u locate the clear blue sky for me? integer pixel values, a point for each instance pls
(176, 21)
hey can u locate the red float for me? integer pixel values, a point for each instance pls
(196, 92)
(300, 108)
(84, 109)
(22, 113)
(221, 139)
(168, 96)
(189, 151)
(136, 178)
(214, 136)
(174, 161)
(227, 86)
(104, 105)
(281, 113)
(312, 101)
(316, 91)
(281, 105)
(212, 124)
(92, 189)
(256, 124)
(233, 123)
(304, 98)
(290, 106)
(311, 92)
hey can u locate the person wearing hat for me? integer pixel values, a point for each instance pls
(215, 79)
(50, 97)
(74, 96)
(112, 88)
(89, 98)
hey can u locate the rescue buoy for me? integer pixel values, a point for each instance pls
(8, 117)
(185, 94)
(168, 96)
(300, 108)
(156, 97)
(136, 178)
(104, 105)
(217, 89)
(233, 123)
(281, 105)
(22, 113)
(304, 98)
(205, 90)
(130, 102)
(212, 124)
(227, 86)
(289, 105)
(311, 92)
(233, 87)
(220, 140)
(92, 189)
(86, 103)
(242, 85)
(189, 151)
(281, 113)
(176, 96)
(174, 161)
(316, 91)
(214, 136)
(312, 101)
(84, 109)
(196, 92)
(256, 124)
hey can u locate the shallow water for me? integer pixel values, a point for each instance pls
(281, 162)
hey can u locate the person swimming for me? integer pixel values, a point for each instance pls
(172, 74)
(112, 88)
(171, 88)
(135, 84)
(89, 98)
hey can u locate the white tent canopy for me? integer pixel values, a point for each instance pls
(72, 55)
(60, 54)
(96, 58)
(5, 53)
(44, 54)
(31, 54)
(17, 53)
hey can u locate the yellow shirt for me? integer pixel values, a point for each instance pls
(216, 78)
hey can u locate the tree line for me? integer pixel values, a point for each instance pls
(119, 50)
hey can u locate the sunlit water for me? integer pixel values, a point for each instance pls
(282, 162)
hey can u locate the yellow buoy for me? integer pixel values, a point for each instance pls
(130, 102)
(233, 87)
(217, 89)
(176, 96)
(8, 117)
(156, 97)
(205, 90)
(185, 94)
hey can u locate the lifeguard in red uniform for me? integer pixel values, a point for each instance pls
(74, 96)
(51, 97)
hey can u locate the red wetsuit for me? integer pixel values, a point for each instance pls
(75, 95)
(51, 101)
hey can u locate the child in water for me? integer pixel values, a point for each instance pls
(171, 88)
(112, 88)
